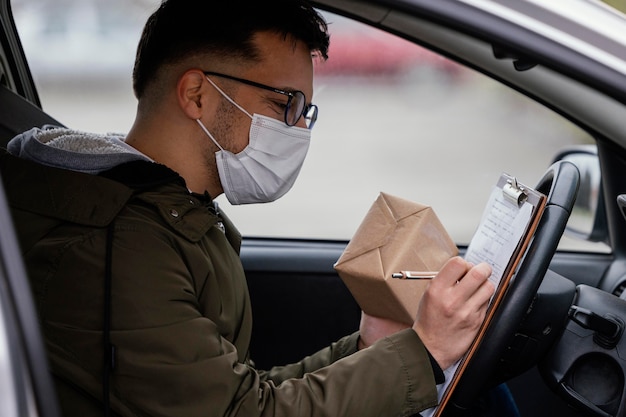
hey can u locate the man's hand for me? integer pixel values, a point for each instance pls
(452, 309)
(374, 328)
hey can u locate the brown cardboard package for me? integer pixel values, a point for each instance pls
(395, 235)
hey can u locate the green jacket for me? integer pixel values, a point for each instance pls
(180, 317)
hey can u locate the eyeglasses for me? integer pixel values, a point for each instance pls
(295, 108)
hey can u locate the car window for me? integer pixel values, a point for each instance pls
(393, 117)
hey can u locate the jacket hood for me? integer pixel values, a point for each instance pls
(75, 150)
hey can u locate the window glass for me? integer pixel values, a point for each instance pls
(393, 117)
(81, 54)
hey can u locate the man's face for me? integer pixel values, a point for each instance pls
(284, 65)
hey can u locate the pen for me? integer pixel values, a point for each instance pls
(414, 275)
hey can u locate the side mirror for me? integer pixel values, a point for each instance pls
(588, 219)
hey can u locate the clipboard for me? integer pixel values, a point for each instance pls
(507, 227)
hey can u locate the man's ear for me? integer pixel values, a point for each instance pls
(192, 93)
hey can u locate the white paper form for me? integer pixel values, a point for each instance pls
(499, 233)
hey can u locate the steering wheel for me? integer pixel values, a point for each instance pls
(560, 185)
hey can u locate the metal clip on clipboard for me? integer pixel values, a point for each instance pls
(514, 192)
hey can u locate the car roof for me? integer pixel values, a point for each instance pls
(589, 27)
(570, 57)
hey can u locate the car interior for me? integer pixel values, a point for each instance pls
(557, 340)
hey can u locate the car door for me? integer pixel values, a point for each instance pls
(25, 383)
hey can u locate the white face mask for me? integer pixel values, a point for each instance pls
(268, 167)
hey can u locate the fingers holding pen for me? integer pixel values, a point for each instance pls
(463, 277)
(453, 308)
(472, 291)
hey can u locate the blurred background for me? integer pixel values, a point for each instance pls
(394, 117)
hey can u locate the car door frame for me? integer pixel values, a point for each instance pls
(23, 365)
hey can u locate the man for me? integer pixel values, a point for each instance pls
(141, 293)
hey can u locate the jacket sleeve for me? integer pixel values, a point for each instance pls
(340, 349)
(393, 377)
(173, 360)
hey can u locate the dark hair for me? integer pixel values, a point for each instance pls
(179, 29)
